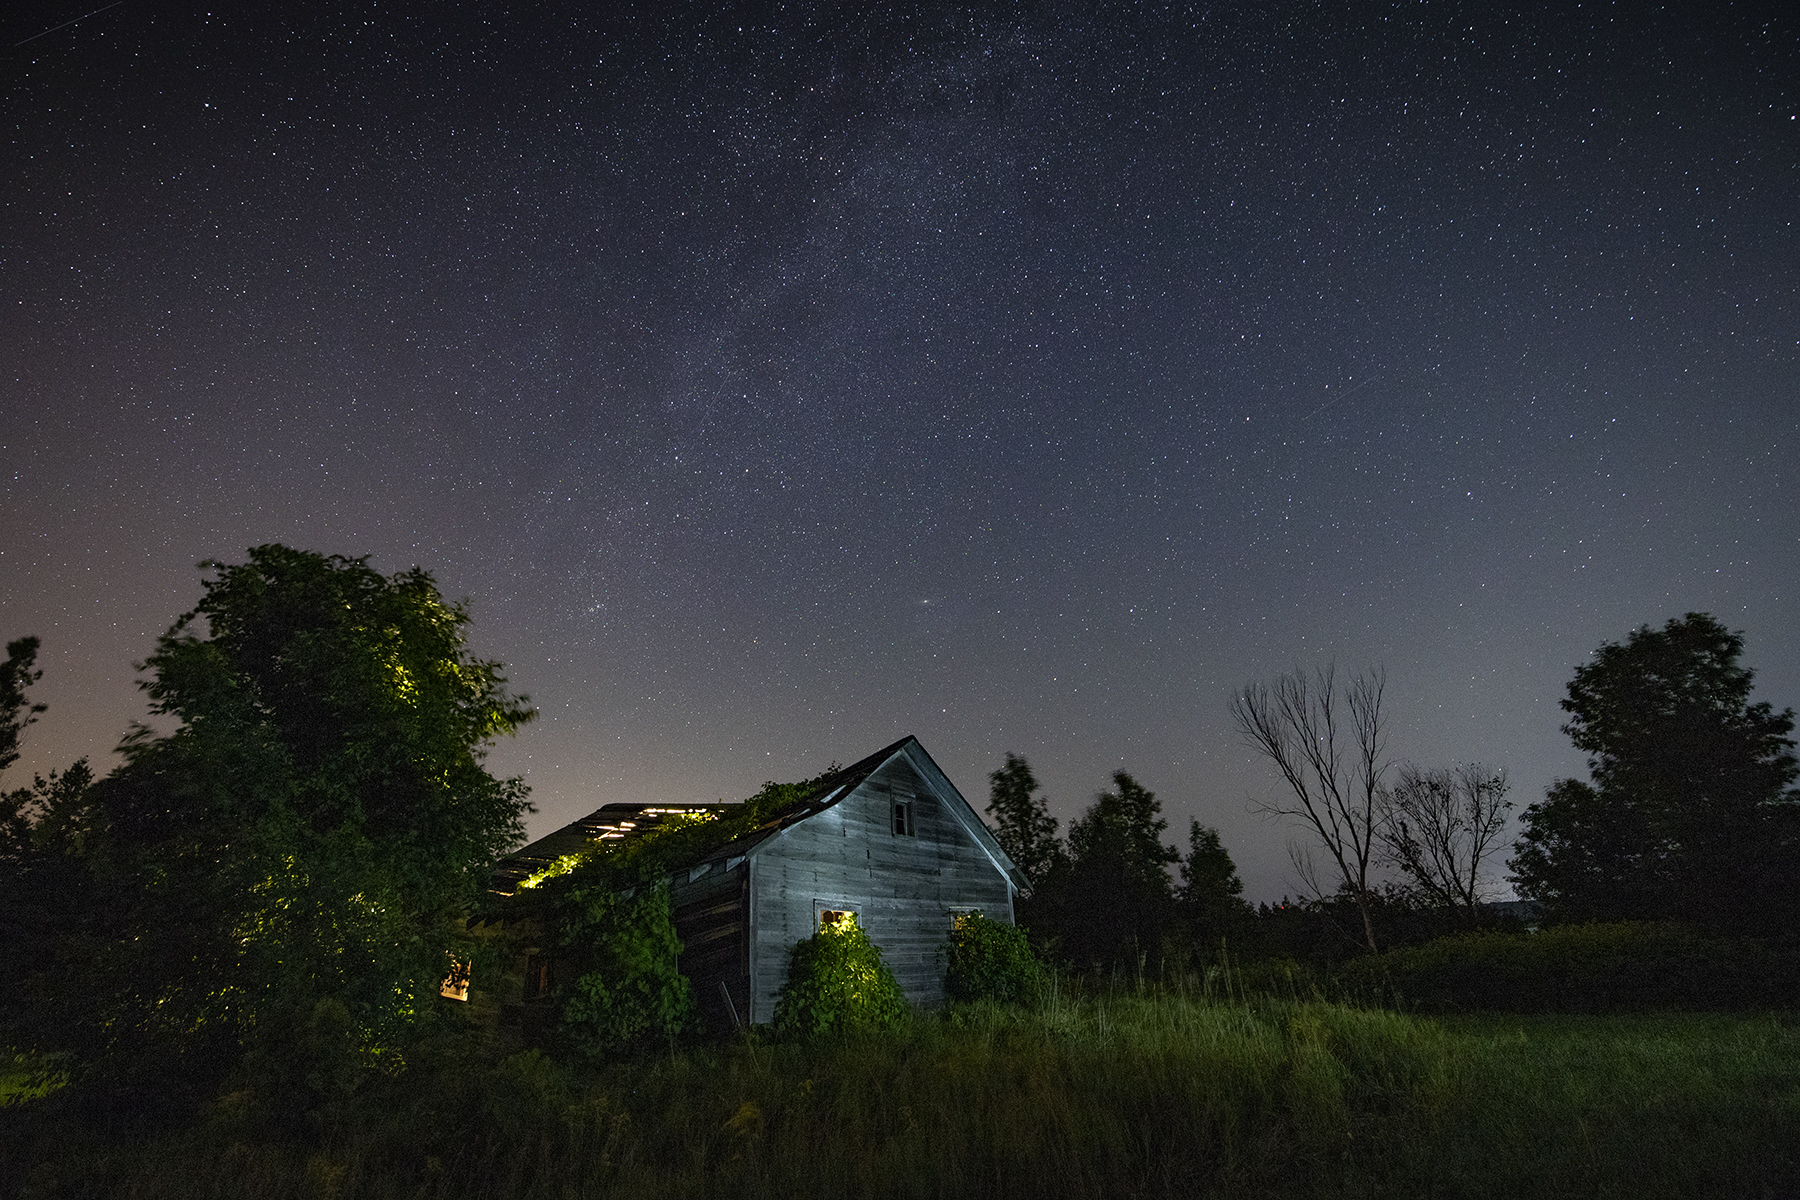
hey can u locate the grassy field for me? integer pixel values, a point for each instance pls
(1137, 1095)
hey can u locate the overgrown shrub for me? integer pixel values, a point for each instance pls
(604, 916)
(990, 960)
(629, 990)
(837, 980)
(1590, 968)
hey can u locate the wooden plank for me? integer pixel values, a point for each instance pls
(903, 887)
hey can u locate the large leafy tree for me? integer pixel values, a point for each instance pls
(1691, 812)
(284, 870)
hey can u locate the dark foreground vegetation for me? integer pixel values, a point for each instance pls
(1174, 1091)
(242, 961)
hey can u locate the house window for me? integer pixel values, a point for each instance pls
(831, 916)
(537, 977)
(456, 984)
(903, 819)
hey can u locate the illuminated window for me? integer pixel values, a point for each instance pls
(456, 984)
(903, 818)
(831, 916)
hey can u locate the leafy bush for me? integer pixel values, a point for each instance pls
(837, 980)
(603, 913)
(630, 990)
(1582, 968)
(990, 960)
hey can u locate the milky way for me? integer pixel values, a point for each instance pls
(781, 380)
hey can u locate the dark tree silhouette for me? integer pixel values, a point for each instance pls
(1210, 897)
(1022, 821)
(1330, 747)
(16, 675)
(1440, 826)
(1116, 897)
(1692, 811)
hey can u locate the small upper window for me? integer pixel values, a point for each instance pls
(903, 818)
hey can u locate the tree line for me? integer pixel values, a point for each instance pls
(278, 887)
(1690, 814)
(1105, 896)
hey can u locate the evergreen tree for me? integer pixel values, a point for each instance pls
(1022, 821)
(1117, 901)
(1211, 896)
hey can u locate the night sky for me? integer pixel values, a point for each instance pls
(776, 381)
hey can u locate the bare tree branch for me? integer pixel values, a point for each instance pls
(1330, 749)
(1441, 825)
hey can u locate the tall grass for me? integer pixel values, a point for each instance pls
(1152, 1092)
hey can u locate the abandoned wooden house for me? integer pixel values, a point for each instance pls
(888, 838)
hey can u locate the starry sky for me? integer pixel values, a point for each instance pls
(774, 381)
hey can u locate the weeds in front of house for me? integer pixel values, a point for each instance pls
(1188, 1088)
(24, 1078)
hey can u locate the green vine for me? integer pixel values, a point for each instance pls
(606, 917)
(837, 980)
(629, 991)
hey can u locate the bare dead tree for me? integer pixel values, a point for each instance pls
(1331, 750)
(1441, 825)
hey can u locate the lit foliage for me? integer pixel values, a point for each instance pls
(629, 991)
(987, 959)
(605, 913)
(680, 839)
(558, 867)
(311, 833)
(838, 981)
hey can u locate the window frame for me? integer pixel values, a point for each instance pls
(823, 905)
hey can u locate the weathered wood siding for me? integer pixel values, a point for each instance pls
(710, 910)
(903, 888)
